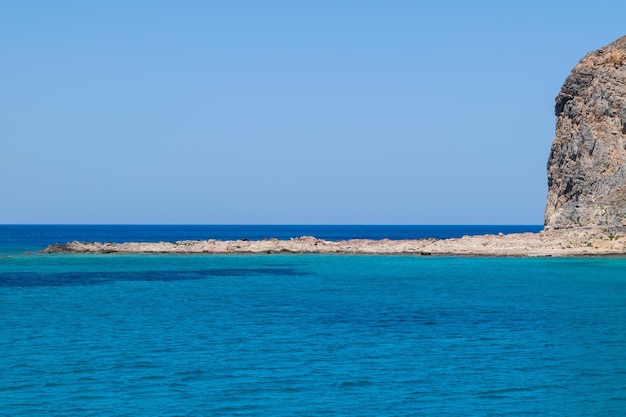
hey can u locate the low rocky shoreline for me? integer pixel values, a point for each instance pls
(555, 243)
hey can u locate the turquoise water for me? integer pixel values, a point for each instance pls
(308, 335)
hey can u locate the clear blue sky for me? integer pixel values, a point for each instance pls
(366, 112)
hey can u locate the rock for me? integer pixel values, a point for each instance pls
(565, 242)
(587, 162)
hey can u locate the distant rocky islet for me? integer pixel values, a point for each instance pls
(585, 211)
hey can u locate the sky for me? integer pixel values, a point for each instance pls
(285, 112)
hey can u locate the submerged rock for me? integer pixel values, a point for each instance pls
(587, 162)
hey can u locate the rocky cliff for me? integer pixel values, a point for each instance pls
(587, 162)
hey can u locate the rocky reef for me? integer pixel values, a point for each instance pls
(587, 162)
(558, 243)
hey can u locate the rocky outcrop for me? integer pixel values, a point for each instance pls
(573, 242)
(587, 163)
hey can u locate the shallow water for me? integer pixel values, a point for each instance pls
(311, 335)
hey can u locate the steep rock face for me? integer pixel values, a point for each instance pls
(587, 163)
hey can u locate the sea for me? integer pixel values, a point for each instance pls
(305, 335)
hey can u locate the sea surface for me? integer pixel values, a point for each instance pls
(305, 335)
